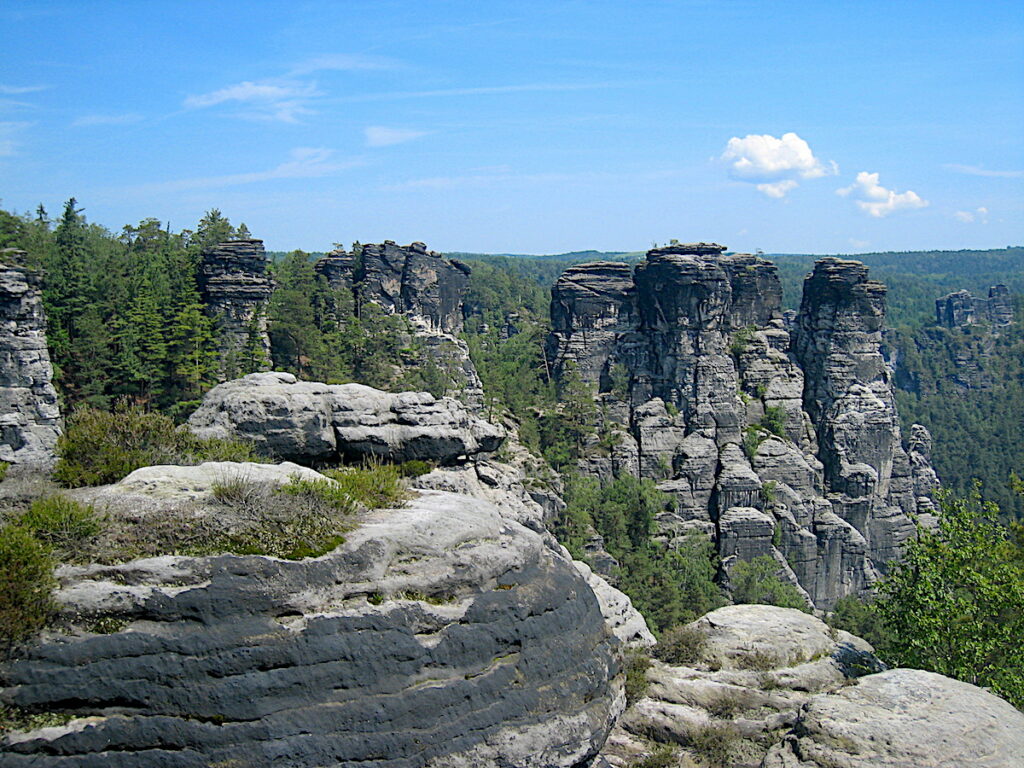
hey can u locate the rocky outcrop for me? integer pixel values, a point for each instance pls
(29, 414)
(904, 718)
(235, 287)
(420, 284)
(442, 633)
(310, 422)
(778, 688)
(778, 440)
(960, 308)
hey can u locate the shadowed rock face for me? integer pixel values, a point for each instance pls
(29, 415)
(420, 284)
(439, 634)
(697, 340)
(960, 308)
(407, 279)
(235, 287)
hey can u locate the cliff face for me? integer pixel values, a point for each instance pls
(960, 308)
(29, 415)
(776, 445)
(420, 284)
(235, 288)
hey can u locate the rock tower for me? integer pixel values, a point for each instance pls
(775, 443)
(235, 287)
(29, 414)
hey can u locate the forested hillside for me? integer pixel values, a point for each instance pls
(126, 321)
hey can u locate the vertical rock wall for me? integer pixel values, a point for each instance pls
(29, 415)
(235, 287)
(420, 284)
(779, 446)
(960, 308)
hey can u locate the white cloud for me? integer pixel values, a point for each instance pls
(777, 189)
(16, 90)
(774, 164)
(90, 120)
(859, 243)
(969, 217)
(974, 170)
(279, 100)
(877, 201)
(344, 62)
(304, 163)
(8, 130)
(380, 136)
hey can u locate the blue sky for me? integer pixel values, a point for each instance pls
(528, 127)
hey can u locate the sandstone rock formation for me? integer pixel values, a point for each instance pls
(778, 688)
(420, 284)
(779, 441)
(29, 414)
(960, 308)
(311, 422)
(443, 633)
(235, 288)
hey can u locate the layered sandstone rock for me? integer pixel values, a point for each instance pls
(779, 442)
(960, 308)
(312, 422)
(777, 688)
(420, 284)
(235, 287)
(29, 414)
(441, 633)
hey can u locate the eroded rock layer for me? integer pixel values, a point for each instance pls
(235, 287)
(29, 414)
(420, 284)
(312, 422)
(777, 442)
(442, 633)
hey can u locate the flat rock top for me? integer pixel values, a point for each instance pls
(905, 718)
(787, 635)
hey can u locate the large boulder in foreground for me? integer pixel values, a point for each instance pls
(904, 718)
(778, 688)
(442, 633)
(310, 422)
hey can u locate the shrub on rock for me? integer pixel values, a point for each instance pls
(26, 585)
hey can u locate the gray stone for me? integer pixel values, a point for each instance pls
(29, 414)
(235, 287)
(442, 633)
(904, 718)
(310, 422)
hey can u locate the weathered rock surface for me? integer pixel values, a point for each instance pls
(777, 444)
(794, 694)
(443, 633)
(29, 414)
(420, 284)
(904, 718)
(960, 308)
(310, 422)
(235, 287)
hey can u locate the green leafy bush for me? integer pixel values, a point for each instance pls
(4, 466)
(955, 603)
(61, 523)
(101, 447)
(663, 756)
(26, 586)
(635, 663)
(415, 468)
(715, 744)
(681, 645)
(757, 581)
